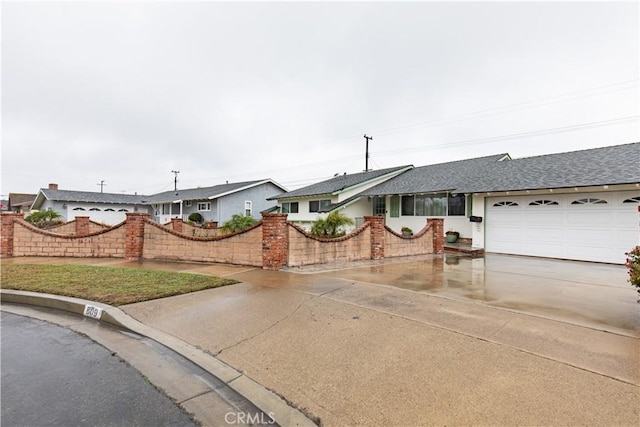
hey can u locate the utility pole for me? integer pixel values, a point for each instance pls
(175, 180)
(102, 184)
(366, 154)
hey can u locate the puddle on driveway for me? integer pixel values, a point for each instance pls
(589, 294)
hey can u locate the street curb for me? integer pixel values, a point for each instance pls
(267, 401)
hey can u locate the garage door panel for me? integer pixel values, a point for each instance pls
(544, 235)
(509, 218)
(546, 218)
(591, 236)
(590, 218)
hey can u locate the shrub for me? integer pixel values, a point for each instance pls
(43, 219)
(196, 217)
(332, 226)
(633, 264)
(238, 222)
(406, 230)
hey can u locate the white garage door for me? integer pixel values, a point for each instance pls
(581, 226)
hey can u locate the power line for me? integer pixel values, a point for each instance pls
(503, 109)
(513, 107)
(513, 135)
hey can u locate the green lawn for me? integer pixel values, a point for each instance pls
(109, 285)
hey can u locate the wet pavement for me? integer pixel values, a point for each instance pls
(430, 340)
(589, 294)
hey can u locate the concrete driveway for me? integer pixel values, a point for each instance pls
(433, 340)
(430, 340)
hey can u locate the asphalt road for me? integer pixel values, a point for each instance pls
(54, 376)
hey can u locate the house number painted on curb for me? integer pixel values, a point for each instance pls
(92, 311)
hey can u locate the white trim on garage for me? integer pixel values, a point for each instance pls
(597, 227)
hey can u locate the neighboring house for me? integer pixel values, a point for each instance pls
(106, 208)
(580, 205)
(342, 192)
(20, 203)
(218, 203)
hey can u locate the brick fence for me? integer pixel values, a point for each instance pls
(272, 243)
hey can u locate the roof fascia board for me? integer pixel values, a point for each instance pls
(346, 204)
(386, 177)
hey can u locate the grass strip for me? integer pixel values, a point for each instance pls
(109, 285)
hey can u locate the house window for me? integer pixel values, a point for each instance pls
(204, 206)
(95, 209)
(247, 208)
(316, 205)
(432, 205)
(187, 203)
(395, 206)
(632, 200)
(543, 202)
(456, 205)
(290, 207)
(407, 205)
(499, 204)
(78, 209)
(379, 206)
(109, 210)
(123, 210)
(589, 201)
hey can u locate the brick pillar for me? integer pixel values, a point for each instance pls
(134, 240)
(6, 233)
(82, 225)
(176, 224)
(438, 234)
(275, 241)
(377, 236)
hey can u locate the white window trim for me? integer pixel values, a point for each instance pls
(207, 206)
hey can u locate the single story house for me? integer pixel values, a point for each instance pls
(20, 202)
(580, 205)
(216, 204)
(106, 208)
(306, 205)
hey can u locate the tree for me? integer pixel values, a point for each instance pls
(332, 226)
(43, 219)
(238, 222)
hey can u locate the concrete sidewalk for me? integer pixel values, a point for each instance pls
(355, 353)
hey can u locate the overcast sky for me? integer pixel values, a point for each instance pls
(126, 92)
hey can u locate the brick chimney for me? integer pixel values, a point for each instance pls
(53, 186)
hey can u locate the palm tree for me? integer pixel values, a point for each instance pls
(43, 219)
(332, 226)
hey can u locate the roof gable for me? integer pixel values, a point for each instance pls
(85, 197)
(204, 193)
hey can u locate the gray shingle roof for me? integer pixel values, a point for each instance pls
(202, 193)
(618, 164)
(338, 183)
(436, 178)
(91, 197)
